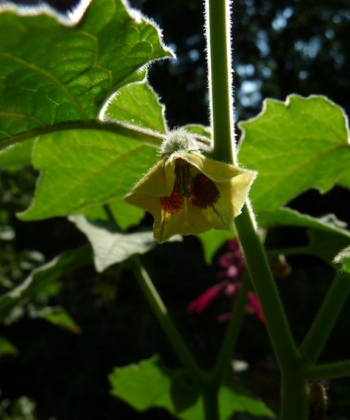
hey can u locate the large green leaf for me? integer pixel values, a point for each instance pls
(110, 246)
(51, 74)
(43, 279)
(124, 214)
(80, 168)
(149, 384)
(294, 146)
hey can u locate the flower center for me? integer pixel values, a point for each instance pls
(184, 177)
(192, 184)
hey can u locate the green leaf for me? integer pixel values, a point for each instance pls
(149, 384)
(80, 168)
(6, 347)
(57, 316)
(124, 214)
(51, 74)
(212, 240)
(343, 258)
(109, 245)
(43, 279)
(285, 216)
(198, 129)
(294, 146)
(326, 244)
(16, 156)
(136, 105)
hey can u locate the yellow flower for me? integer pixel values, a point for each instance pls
(188, 193)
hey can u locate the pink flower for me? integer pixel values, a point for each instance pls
(232, 268)
(200, 304)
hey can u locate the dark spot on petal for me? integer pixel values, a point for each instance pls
(204, 192)
(173, 203)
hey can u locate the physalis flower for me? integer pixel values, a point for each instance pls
(188, 193)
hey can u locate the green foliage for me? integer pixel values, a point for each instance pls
(6, 347)
(71, 72)
(78, 107)
(343, 258)
(109, 245)
(43, 281)
(72, 180)
(150, 384)
(294, 146)
(21, 409)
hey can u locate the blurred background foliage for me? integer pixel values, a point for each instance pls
(279, 48)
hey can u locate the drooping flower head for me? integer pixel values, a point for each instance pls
(188, 193)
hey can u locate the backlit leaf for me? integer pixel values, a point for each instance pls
(109, 245)
(80, 168)
(150, 384)
(52, 74)
(294, 146)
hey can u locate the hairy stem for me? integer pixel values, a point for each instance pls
(220, 79)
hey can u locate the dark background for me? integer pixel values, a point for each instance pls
(279, 48)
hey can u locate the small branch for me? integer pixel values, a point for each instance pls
(109, 214)
(327, 316)
(149, 137)
(327, 371)
(165, 321)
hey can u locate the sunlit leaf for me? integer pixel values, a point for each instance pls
(136, 105)
(80, 168)
(109, 245)
(294, 146)
(51, 74)
(150, 384)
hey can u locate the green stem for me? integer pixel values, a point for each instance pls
(293, 402)
(322, 326)
(211, 403)
(293, 397)
(265, 287)
(327, 371)
(232, 332)
(165, 321)
(220, 79)
(110, 215)
(219, 62)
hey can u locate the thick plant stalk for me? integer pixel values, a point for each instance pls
(219, 47)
